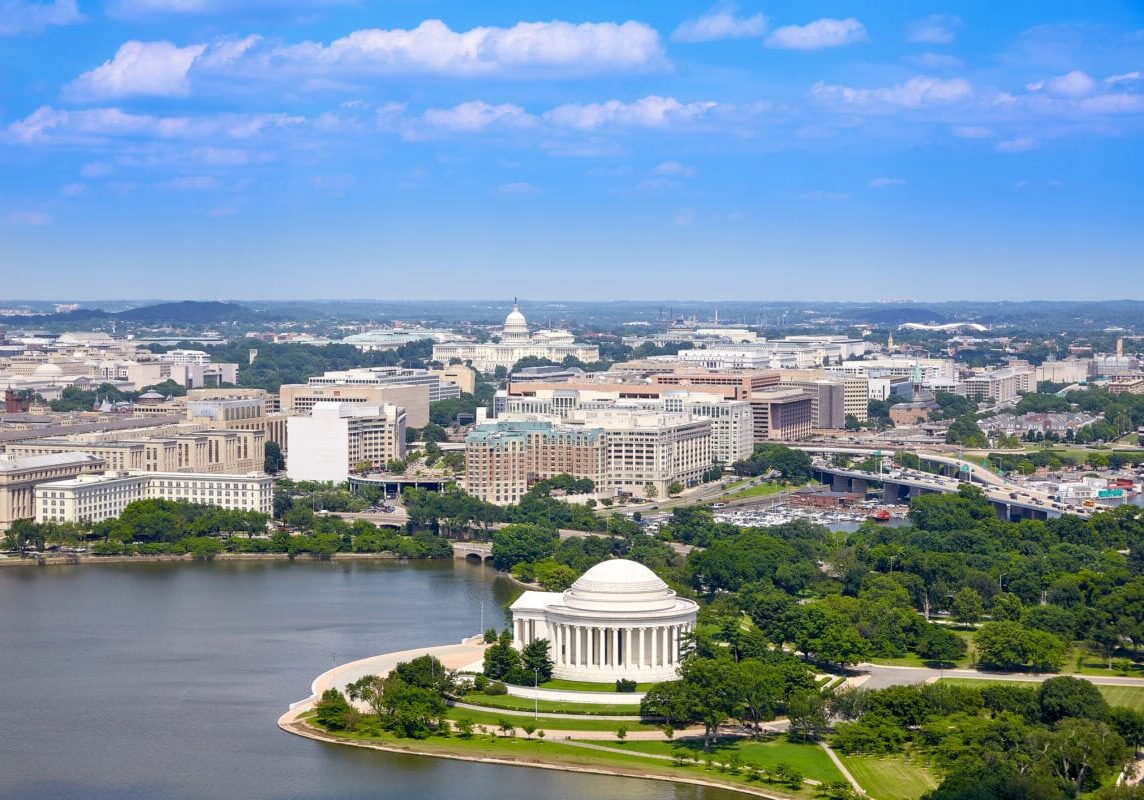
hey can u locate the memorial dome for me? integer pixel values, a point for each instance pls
(622, 586)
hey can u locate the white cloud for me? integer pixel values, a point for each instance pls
(73, 189)
(517, 189)
(526, 48)
(683, 217)
(719, 23)
(882, 183)
(972, 132)
(914, 93)
(937, 61)
(191, 183)
(47, 124)
(652, 111)
(140, 68)
(1019, 144)
(1120, 103)
(477, 115)
(1072, 84)
(21, 16)
(1127, 77)
(676, 170)
(815, 35)
(934, 29)
(821, 195)
(29, 219)
(138, 8)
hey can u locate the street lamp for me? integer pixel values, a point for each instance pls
(535, 693)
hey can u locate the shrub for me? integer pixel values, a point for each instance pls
(495, 688)
(480, 683)
(625, 685)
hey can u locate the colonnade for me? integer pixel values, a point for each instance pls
(608, 647)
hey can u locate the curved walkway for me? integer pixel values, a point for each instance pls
(521, 712)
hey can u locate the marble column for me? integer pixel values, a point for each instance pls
(614, 635)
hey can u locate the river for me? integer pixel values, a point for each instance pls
(164, 682)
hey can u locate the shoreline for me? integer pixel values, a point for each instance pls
(291, 723)
(78, 560)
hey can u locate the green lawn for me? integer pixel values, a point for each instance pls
(587, 686)
(809, 759)
(1128, 696)
(762, 490)
(1082, 661)
(889, 778)
(547, 706)
(547, 723)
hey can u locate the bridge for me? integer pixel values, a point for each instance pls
(473, 551)
(1010, 502)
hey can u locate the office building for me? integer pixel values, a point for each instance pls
(19, 476)
(335, 438)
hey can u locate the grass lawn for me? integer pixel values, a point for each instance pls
(809, 759)
(588, 686)
(493, 718)
(889, 778)
(1128, 696)
(1082, 661)
(555, 752)
(762, 490)
(547, 706)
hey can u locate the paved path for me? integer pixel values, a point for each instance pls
(842, 768)
(520, 712)
(881, 676)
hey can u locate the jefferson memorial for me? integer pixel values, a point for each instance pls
(618, 620)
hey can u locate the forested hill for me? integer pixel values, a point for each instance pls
(183, 313)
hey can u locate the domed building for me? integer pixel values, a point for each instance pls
(618, 620)
(516, 342)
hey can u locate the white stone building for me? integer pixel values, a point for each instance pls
(516, 343)
(617, 621)
(92, 498)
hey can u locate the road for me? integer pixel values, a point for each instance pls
(881, 676)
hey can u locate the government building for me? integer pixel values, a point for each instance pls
(617, 621)
(516, 343)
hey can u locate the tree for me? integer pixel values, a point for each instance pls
(806, 711)
(1006, 606)
(272, 460)
(502, 660)
(517, 543)
(536, 660)
(1066, 696)
(1010, 645)
(650, 491)
(967, 606)
(938, 643)
(674, 488)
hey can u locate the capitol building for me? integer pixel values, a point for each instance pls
(516, 343)
(617, 621)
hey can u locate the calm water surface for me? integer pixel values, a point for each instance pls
(164, 681)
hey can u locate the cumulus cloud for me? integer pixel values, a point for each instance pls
(821, 195)
(676, 170)
(914, 93)
(477, 115)
(1119, 103)
(48, 124)
(1127, 77)
(1019, 144)
(1071, 84)
(525, 48)
(882, 183)
(825, 32)
(29, 219)
(652, 111)
(719, 23)
(22, 16)
(140, 68)
(972, 132)
(934, 29)
(517, 189)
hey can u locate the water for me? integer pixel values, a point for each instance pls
(164, 682)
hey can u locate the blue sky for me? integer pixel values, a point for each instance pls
(590, 150)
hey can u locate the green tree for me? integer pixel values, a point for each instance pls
(967, 606)
(536, 660)
(518, 543)
(272, 460)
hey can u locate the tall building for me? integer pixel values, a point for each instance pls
(516, 343)
(412, 389)
(329, 443)
(620, 450)
(92, 498)
(237, 409)
(782, 414)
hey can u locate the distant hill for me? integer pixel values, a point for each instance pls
(187, 312)
(896, 315)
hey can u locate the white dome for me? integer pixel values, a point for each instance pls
(47, 370)
(515, 318)
(620, 585)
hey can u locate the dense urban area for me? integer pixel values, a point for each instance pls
(904, 541)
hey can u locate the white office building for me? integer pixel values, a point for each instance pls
(336, 437)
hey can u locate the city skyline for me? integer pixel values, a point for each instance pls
(781, 151)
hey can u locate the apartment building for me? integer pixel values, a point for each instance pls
(92, 498)
(999, 385)
(621, 450)
(334, 438)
